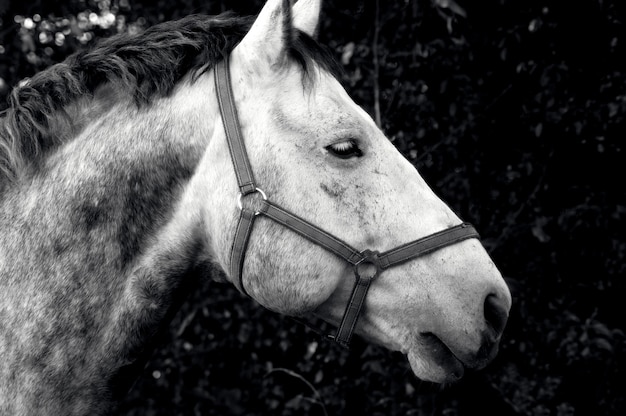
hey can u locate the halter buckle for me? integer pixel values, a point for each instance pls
(256, 191)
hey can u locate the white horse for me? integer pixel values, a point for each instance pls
(118, 185)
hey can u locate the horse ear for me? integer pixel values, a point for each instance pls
(306, 16)
(266, 40)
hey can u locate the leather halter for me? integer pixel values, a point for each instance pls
(367, 264)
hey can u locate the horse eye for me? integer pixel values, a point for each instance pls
(345, 150)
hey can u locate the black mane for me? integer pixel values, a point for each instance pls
(146, 65)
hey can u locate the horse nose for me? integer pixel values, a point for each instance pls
(496, 314)
(496, 310)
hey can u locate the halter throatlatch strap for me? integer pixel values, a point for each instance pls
(367, 264)
(241, 164)
(238, 154)
(240, 244)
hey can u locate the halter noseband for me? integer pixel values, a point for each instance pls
(367, 264)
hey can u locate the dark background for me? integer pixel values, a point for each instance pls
(514, 111)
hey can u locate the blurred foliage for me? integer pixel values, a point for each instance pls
(515, 113)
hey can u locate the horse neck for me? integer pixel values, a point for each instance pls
(94, 241)
(118, 179)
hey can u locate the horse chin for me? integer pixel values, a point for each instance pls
(431, 360)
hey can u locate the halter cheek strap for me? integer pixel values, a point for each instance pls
(367, 264)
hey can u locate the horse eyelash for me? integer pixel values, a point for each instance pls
(345, 149)
(344, 146)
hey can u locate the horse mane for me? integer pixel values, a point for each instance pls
(144, 65)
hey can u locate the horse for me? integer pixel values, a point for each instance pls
(224, 144)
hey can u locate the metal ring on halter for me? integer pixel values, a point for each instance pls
(370, 257)
(256, 190)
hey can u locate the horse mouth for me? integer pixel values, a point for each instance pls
(443, 365)
(434, 360)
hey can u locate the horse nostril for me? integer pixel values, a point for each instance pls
(496, 314)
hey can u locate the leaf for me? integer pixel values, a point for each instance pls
(452, 6)
(534, 25)
(538, 230)
(603, 345)
(294, 403)
(601, 330)
(348, 52)
(318, 376)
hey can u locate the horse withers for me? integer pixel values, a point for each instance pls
(217, 142)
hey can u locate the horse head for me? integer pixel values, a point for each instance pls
(314, 152)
